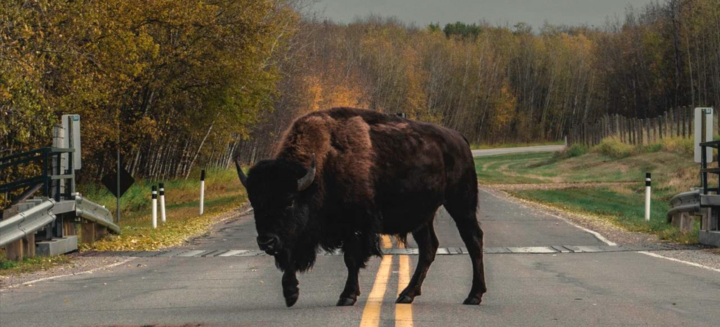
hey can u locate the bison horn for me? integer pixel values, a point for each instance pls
(305, 182)
(243, 178)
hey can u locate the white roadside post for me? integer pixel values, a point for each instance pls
(162, 202)
(202, 192)
(647, 196)
(154, 206)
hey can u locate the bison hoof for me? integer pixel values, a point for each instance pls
(404, 299)
(291, 299)
(472, 301)
(346, 302)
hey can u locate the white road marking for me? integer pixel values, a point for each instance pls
(680, 261)
(592, 232)
(68, 275)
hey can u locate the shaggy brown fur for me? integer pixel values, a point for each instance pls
(375, 174)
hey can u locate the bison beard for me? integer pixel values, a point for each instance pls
(342, 177)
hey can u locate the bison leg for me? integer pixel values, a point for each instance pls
(428, 244)
(353, 262)
(472, 236)
(291, 292)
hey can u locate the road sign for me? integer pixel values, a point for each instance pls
(706, 115)
(71, 126)
(110, 181)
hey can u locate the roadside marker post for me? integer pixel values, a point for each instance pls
(162, 202)
(648, 192)
(202, 192)
(154, 206)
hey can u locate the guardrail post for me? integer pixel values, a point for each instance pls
(154, 206)
(15, 250)
(648, 192)
(202, 192)
(162, 202)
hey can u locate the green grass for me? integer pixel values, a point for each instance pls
(513, 168)
(476, 146)
(670, 170)
(670, 162)
(624, 208)
(223, 192)
(8, 267)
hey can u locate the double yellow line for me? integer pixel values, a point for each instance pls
(373, 306)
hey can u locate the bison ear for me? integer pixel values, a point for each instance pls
(306, 181)
(243, 178)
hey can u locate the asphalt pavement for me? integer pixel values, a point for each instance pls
(220, 280)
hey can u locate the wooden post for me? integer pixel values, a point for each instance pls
(623, 129)
(691, 121)
(676, 112)
(69, 228)
(655, 129)
(683, 120)
(14, 250)
(29, 246)
(24, 247)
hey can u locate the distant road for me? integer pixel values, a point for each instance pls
(524, 149)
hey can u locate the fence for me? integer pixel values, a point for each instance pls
(673, 123)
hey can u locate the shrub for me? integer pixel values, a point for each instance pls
(575, 150)
(678, 145)
(612, 147)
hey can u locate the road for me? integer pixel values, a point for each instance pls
(205, 283)
(524, 149)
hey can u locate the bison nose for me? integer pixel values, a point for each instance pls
(267, 242)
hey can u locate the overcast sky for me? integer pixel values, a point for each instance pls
(496, 12)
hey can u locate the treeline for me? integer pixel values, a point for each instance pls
(174, 81)
(196, 82)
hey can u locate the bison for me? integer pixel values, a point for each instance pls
(344, 176)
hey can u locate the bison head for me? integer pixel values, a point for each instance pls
(275, 189)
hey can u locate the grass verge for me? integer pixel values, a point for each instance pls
(476, 146)
(670, 162)
(30, 264)
(223, 193)
(623, 208)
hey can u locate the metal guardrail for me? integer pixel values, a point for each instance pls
(27, 222)
(96, 213)
(684, 202)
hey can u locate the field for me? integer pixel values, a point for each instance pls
(607, 182)
(475, 146)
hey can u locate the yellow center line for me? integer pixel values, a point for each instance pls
(403, 312)
(373, 306)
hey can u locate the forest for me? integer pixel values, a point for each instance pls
(178, 85)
